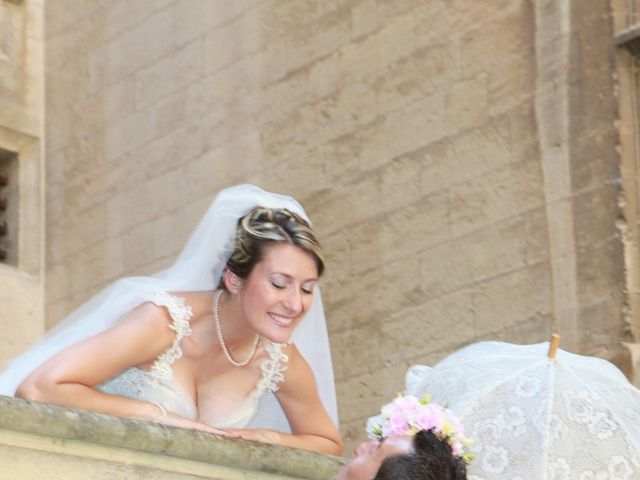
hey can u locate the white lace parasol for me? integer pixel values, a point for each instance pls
(534, 417)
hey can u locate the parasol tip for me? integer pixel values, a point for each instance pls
(553, 345)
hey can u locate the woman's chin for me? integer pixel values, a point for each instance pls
(278, 335)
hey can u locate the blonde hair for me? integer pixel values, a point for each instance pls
(265, 226)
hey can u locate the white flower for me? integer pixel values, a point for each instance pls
(579, 406)
(488, 431)
(557, 428)
(516, 421)
(528, 387)
(634, 413)
(591, 475)
(495, 459)
(619, 468)
(558, 470)
(602, 426)
(634, 454)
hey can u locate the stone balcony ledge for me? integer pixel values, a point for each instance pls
(46, 441)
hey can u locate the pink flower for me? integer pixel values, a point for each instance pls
(408, 414)
(427, 418)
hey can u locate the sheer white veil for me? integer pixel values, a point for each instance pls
(198, 267)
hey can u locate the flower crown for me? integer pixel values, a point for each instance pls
(407, 415)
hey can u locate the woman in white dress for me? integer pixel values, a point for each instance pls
(207, 344)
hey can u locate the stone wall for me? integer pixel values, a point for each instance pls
(458, 158)
(45, 441)
(21, 109)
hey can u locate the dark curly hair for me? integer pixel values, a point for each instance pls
(431, 459)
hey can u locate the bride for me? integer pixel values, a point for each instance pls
(208, 344)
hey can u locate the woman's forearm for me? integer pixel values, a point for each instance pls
(311, 442)
(315, 443)
(75, 395)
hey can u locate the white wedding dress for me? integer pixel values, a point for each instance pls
(199, 267)
(160, 385)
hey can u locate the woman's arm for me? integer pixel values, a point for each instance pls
(68, 379)
(310, 423)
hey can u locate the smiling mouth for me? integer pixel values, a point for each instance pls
(281, 321)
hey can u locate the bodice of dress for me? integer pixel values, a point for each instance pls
(160, 385)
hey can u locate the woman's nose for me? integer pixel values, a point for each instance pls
(293, 301)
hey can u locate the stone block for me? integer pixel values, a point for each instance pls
(438, 325)
(58, 281)
(496, 196)
(443, 269)
(502, 50)
(132, 207)
(118, 99)
(169, 74)
(331, 116)
(306, 42)
(512, 298)
(536, 235)
(138, 245)
(533, 330)
(79, 231)
(596, 150)
(467, 103)
(600, 271)
(388, 288)
(56, 310)
(226, 44)
(93, 267)
(398, 85)
(595, 212)
(140, 45)
(352, 351)
(232, 83)
(166, 152)
(343, 158)
(401, 233)
(400, 185)
(363, 395)
(465, 156)
(170, 234)
(194, 19)
(364, 18)
(359, 59)
(437, 66)
(495, 249)
(354, 201)
(337, 252)
(301, 173)
(126, 133)
(76, 444)
(395, 134)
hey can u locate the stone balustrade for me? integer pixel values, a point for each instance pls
(46, 441)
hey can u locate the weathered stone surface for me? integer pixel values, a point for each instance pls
(467, 164)
(74, 444)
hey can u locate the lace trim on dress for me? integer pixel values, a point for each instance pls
(131, 380)
(181, 315)
(273, 369)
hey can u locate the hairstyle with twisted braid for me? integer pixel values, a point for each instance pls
(262, 227)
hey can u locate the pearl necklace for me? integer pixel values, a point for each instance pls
(216, 316)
